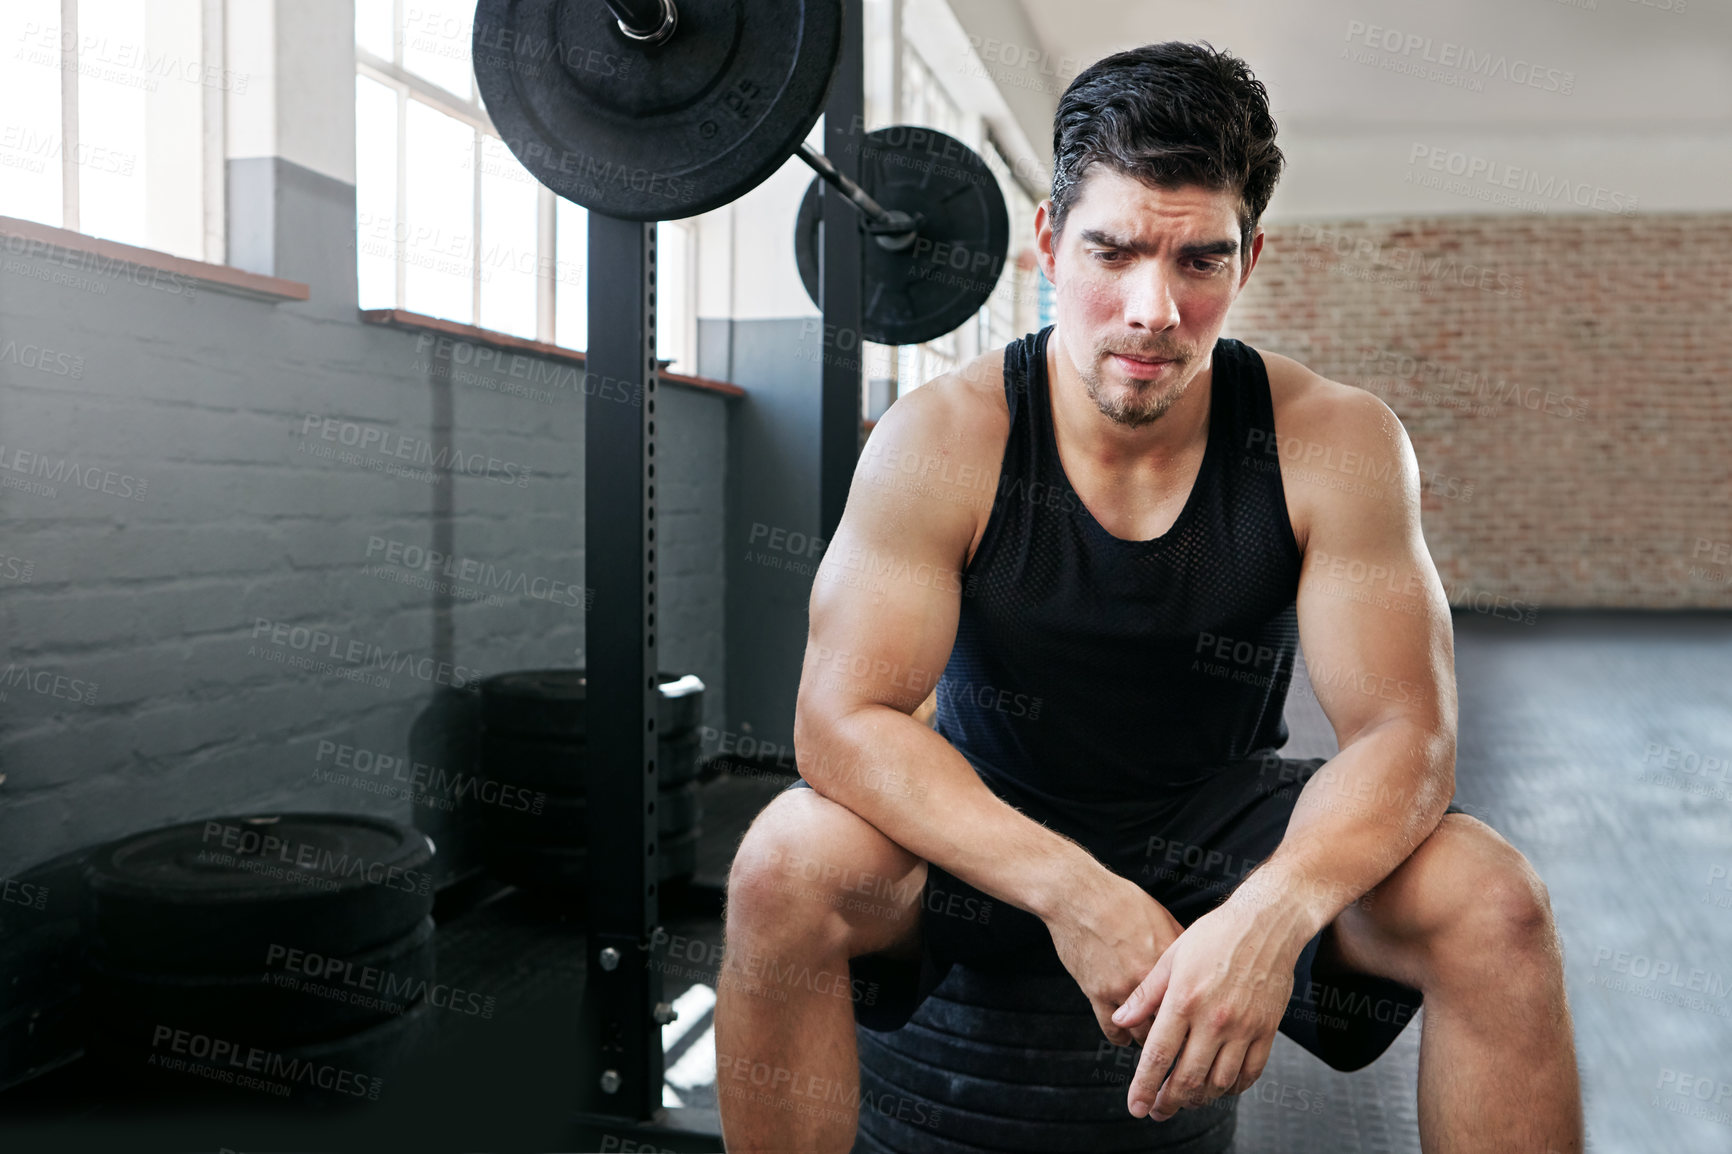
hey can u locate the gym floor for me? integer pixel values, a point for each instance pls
(1567, 729)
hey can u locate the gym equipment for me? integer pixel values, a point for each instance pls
(42, 1004)
(693, 107)
(694, 115)
(940, 234)
(645, 110)
(272, 1004)
(213, 896)
(1016, 1063)
(203, 933)
(535, 740)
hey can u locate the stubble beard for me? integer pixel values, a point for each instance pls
(1147, 401)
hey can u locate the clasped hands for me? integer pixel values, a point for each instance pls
(1206, 1014)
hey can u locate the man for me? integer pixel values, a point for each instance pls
(1111, 536)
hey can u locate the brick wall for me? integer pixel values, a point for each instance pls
(1576, 371)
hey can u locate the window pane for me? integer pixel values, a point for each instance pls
(673, 280)
(438, 229)
(112, 122)
(30, 110)
(373, 26)
(508, 241)
(376, 193)
(436, 42)
(571, 276)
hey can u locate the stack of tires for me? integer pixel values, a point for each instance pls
(263, 960)
(535, 761)
(41, 962)
(1013, 1062)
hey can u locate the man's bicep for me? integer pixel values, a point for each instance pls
(1373, 619)
(888, 592)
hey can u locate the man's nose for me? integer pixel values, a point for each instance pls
(1151, 304)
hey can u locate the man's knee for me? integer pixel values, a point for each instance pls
(796, 869)
(1499, 909)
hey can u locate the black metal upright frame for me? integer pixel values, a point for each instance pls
(624, 988)
(843, 273)
(623, 995)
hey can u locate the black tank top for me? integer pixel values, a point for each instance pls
(1089, 668)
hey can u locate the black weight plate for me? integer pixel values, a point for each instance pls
(682, 705)
(539, 867)
(214, 896)
(301, 998)
(548, 705)
(1027, 1065)
(40, 965)
(677, 760)
(560, 822)
(563, 870)
(187, 1067)
(940, 281)
(563, 817)
(679, 855)
(901, 1116)
(35, 1039)
(49, 891)
(535, 765)
(541, 703)
(1038, 1029)
(1097, 1104)
(677, 809)
(658, 132)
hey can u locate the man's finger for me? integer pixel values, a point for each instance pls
(1117, 1035)
(1225, 1074)
(1256, 1058)
(1188, 1084)
(1160, 1051)
(1145, 1000)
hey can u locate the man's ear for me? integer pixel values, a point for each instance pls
(1046, 241)
(1251, 262)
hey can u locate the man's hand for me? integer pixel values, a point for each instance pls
(1107, 937)
(1216, 999)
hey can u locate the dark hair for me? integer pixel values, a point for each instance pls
(1169, 114)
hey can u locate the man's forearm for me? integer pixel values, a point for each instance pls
(914, 787)
(1359, 817)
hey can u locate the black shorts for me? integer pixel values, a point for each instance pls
(1189, 852)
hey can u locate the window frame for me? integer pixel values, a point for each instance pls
(212, 128)
(407, 86)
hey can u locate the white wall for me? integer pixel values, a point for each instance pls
(1648, 113)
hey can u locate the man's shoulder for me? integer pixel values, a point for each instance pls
(964, 408)
(1316, 410)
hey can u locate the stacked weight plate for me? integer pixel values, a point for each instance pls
(271, 959)
(1013, 1063)
(534, 757)
(41, 962)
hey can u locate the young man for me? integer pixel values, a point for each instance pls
(1111, 536)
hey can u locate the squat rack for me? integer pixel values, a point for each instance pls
(623, 1006)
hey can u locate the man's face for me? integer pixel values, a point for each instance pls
(1143, 279)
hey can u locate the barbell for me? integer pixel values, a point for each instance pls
(662, 109)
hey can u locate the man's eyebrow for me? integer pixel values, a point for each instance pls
(1226, 246)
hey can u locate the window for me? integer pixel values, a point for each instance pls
(1013, 310)
(448, 223)
(107, 108)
